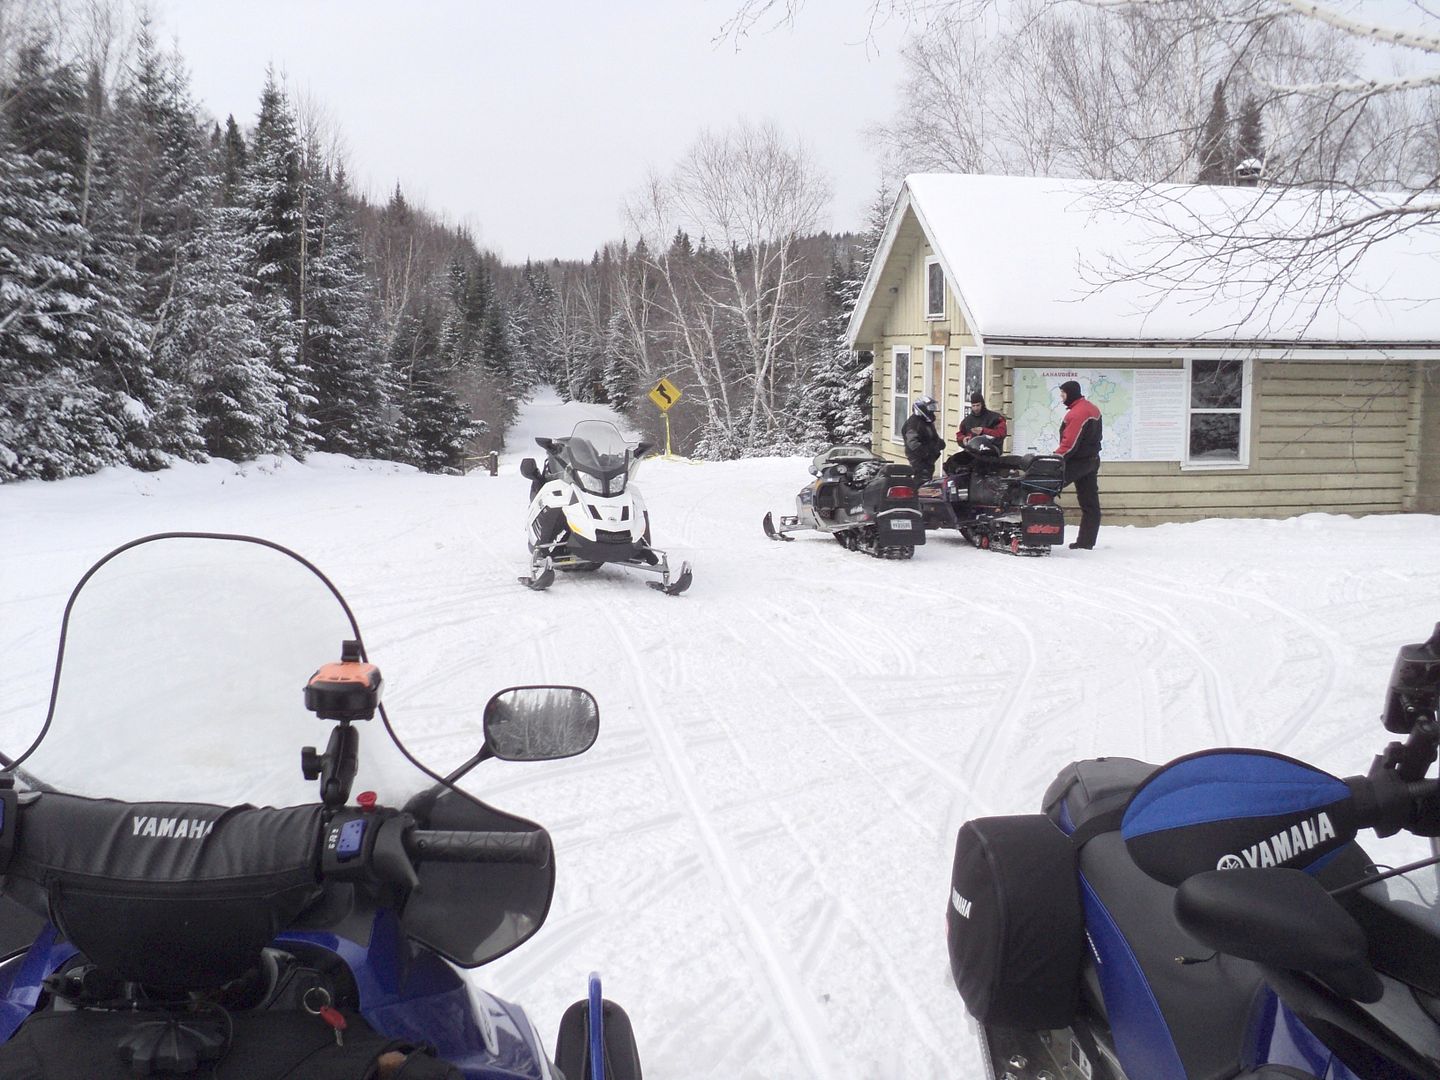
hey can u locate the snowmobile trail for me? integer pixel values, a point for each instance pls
(802, 1022)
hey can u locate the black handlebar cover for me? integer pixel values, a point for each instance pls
(450, 845)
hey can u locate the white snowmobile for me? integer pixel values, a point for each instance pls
(585, 512)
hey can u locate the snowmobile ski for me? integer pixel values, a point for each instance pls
(676, 587)
(540, 581)
(769, 526)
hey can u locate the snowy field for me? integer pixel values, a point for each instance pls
(756, 852)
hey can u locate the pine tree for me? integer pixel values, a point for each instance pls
(55, 418)
(1250, 142)
(233, 163)
(272, 197)
(349, 373)
(1216, 152)
(216, 336)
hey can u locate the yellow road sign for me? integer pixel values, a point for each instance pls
(665, 394)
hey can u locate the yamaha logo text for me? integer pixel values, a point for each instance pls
(1283, 846)
(171, 828)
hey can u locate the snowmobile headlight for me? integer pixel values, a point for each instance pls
(617, 484)
(590, 482)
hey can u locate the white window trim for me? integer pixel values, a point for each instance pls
(937, 393)
(965, 358)
(931, 316)
(895, 352)
(1247, 379)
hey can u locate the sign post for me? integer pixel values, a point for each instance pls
(665, 394)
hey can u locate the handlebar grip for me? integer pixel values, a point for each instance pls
(450, 845)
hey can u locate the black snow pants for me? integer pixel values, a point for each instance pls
(1085, 475)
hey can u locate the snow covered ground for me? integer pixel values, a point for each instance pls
(756, 852)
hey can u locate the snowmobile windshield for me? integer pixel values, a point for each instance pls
(181, 676)
(599, 457)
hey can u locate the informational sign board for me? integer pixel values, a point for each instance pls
(664, 394)
(1143, 410)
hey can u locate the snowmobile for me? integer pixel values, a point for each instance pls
(1213, 918)
(999, 502)
(863, 501)
(585, 510)
(182, 897)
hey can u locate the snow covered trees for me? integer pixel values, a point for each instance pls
(167, 293)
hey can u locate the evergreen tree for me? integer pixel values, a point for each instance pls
(216, 336)
(56, 420)
(1216, 152)
(1250, 140)
(350, 375)
(272, 197)
(233, 163)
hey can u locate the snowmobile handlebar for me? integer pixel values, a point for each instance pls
(451, 845)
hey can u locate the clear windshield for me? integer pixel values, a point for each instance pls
(181, 678)
(597, 446)
(598, 456)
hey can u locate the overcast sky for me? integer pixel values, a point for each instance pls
(531, 122)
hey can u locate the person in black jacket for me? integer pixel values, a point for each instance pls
(923, 444)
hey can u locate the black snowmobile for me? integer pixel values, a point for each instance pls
(863, 501)
(1000, 502)
(1214, 918)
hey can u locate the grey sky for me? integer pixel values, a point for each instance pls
(532, 122)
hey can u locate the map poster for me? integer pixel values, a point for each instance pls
(1143, 410)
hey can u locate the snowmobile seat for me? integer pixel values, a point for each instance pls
(1016, 461)
(1161, 1013)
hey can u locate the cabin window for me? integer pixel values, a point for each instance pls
(934, 289)
(1217, 433)
(899, 391)
(974, 378)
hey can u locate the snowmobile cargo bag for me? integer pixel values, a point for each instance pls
(1042, 525)
(1014, 922)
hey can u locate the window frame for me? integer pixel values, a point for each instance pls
(938, 393)
(895, 351)
(941, 315)
(965, 391)
(1245, 413)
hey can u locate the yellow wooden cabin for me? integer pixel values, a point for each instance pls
(1266, 389)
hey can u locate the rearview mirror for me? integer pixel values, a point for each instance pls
(641, 449)
(529, 469)
(544, 443)
(541, 723)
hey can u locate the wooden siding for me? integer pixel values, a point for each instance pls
(904, 324)
(1425, 426)
(1324, 437)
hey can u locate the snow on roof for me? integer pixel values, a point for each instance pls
(1083, 259)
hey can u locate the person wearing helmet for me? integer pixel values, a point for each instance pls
(923, 444)
(1080, 434)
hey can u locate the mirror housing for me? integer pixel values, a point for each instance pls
(642, 449)
(1414, 690)
(1279, 918)
(529, 469)
(544, 444)
(541, 723)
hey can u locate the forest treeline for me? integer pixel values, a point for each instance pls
(177, 287)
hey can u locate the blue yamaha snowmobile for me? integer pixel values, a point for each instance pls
(1214, 918)
(182, 897)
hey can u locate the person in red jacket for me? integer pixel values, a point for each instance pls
(1080, 434)
(981, 421)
